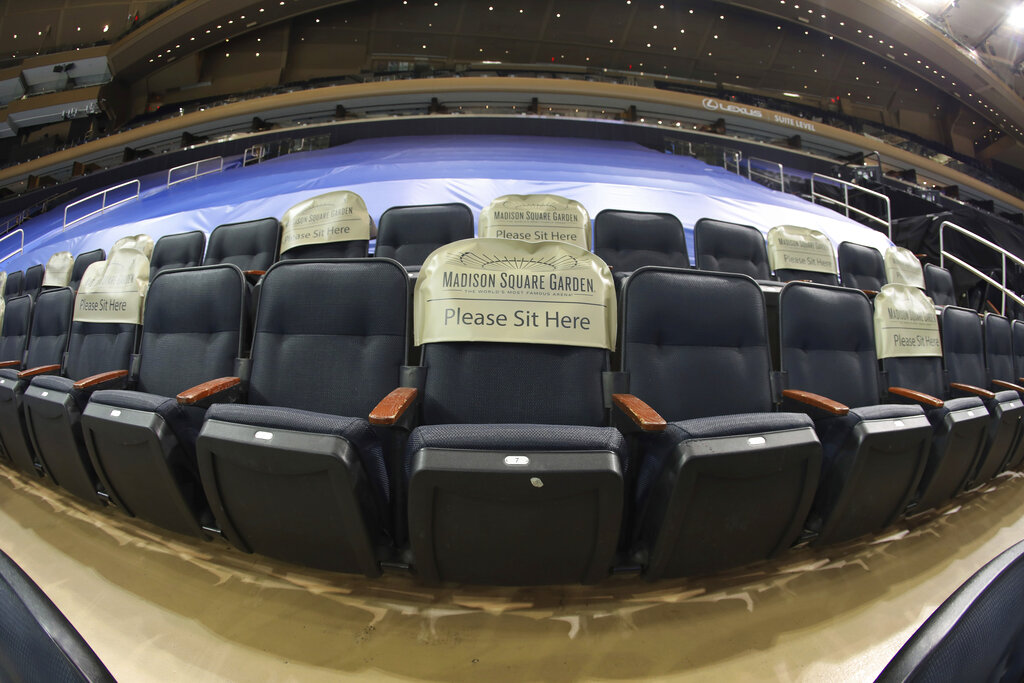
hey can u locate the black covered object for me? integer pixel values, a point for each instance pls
(180, 250)
(82, 262)
(15, 284)
(627, 240)
(730, 248)
(729, 481)
(861, 267)
(977, 634)
(250, 245)
(938, 283)
(408, 234)
(297, 472)
(37, 642)
(33, 280)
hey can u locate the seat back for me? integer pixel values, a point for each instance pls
(938, 282)
(33, 279)
(82, 262)
(15, 284)
(330, 225)
(51, 321)
(250, 245)
(861, 267)
(712, 337)
(193, 327)
(1017, 330)
(963, 346)
(17, 323)
(339, 351)
(999, 348)
(627, 240)
(58, 270)
(907, 340)
(536, 217)
(902, 267)
(180, 250)
(796, 253)
(827, 343)
(408, 234)
(731, 248)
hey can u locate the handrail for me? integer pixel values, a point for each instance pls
(17, 251)
(737, 158)
(782, 177)
(254, 153)
(1004, 254)
(104, 206)
(195, 170)
(845, 203)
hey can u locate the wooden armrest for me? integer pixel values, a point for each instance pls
(816, 401)
(1007, 385)
(644, 416)
(393, 406)
(10, 363)
(919, 396)
(255, 273)
(102, 378)
(41, 370)
(970, 389)
(870, 292)
(205, 390)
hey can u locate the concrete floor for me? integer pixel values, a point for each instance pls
(158, 607)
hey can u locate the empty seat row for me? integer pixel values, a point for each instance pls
(512, 453)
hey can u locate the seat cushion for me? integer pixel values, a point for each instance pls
(356, 431)
(184, 421)
(9, 373)
(937, 415)
(833, 431)
(515, 437)
(65, 385)
(1007, 395)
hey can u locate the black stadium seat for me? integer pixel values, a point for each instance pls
(296, 471)
(82, 262)
(939, 285)
(728, 481)
(731, 248)
(250, 245)
(140, 441)
(999, 361)
(15, 284)
(627, 240)
(180, 250)
(408, 234)
(14, 335)
(805, 254)
(33, 280)
(1017, 329)
(51, 320)
(861, 267)
(874, 455)
(330, 225)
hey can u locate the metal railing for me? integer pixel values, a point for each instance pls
(764, 175)
(885, 223)
(253, 155)
(195, 169)
(736, 157)
(13, 222)
(1003, 253)
(103, 206)
(21, 246)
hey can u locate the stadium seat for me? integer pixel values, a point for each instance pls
(33, 280)
(726, 481)
(796, 253)
(902, 267)
(51, 320)
(536, 217)
(408, 234)
(861, 267)
(14, 336)
(627, 240)
(58, 270)
(82, 262)
(1017, 338)
(999, 361)
(250, 245)
(15, 284)
(512, 476)
(963, 350)
(909, 347)
(98, 357)
(874, 455)
(330, 225)
(296, 471)
(939, 285)
(140, 441)
(180, 250)
(730, 248)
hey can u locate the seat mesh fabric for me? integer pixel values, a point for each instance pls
(251, 245)
(409, 234)
(98, 347)
(920, 373)
(50, 322)
(1017, 333)
(83, 261)
(627, 240)
(963, 346)
(180, 250)
(731, 248)
(16, 323)
(938, 283)
(15, 281)
(861, 267)
(999, 348)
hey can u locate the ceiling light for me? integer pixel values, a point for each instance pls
(1016, 17)
(106, 27)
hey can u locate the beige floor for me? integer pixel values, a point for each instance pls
(163, 608)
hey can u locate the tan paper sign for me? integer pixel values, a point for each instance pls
(331, 217)
(905, 323)
(903, 268)
(497, 290)
(58, 270)
(3, 308)
(3, 283)
(112, 291)
(536, 218)
(141, 242)
(796, 248)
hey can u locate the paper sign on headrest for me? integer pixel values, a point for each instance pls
(796, 248)
(141, 242)
(3, 308)
(58, 270)
(3, 283)
(905, 323)
(497, 290)
(903, 268)
(112, 291)
(330, 217)
(536, 218)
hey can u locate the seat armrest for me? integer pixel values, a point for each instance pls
(917, 396)
(641, 414)
(815, 405)
(40, 370)
(394, 406)
(871, 293)
(115, 379)
(10, 363)
(1007, 385)
(220, 390)
(971, 389)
